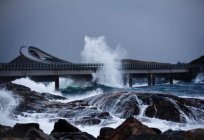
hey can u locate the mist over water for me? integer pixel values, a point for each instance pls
(96, 50)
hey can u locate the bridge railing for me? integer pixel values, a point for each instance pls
(92, 66)
(57, 66)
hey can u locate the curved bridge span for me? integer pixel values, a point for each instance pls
(129, 71)
(41, 66)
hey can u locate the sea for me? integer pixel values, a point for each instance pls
(81, 90)
(109, 79)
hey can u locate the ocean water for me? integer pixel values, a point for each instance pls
(109, 79)
(81, 90)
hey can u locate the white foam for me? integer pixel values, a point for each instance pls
(37, 86)
(84, 95)
(41, 118)
(140, 85)
(199, 78)
(7, 103)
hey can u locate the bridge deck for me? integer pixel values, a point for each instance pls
(7, 69)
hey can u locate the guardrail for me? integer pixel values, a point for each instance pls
(92, 66)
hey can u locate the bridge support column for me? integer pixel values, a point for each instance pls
(130, 80)
(124, 79)
(171, 81)
(56, 83)
(151, 80)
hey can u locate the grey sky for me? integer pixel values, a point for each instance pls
(157, 30)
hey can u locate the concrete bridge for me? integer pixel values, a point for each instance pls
(52, 72)
(41, 66)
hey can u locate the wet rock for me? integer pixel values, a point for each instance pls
(101, 115)
(130, 127)
(105, 132)
(63, 126)
(158, 108)
(64, 130)
(20, 130)
(124, 105)
(161, 103)
(156, 130)
(194, 134)
(121, 104)
(5, 131)
(143, 137)
(88, 121)
(73, 136)
(37, 134)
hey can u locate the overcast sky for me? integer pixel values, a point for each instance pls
(155, 30)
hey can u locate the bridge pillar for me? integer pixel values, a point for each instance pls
(171, 81)
(124, 79)
(151, 80)
(130, 80)
(56, 83)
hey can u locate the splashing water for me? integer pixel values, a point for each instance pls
(199, 78)
(38, 87)
(96, 50)
(7, 104)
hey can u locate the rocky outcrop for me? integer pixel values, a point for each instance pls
(194, 134)
(24, 131)
(63, 126)
(5, 131)
(125, 105)
(130, 129)
(64, 130)
(200, 60)
(34, 102)
(105, 133)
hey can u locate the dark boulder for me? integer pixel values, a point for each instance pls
(142, 137)
(105, 132)
(63, 126)
(156, 130)
(194, 134)
(20, 130)
(34, 133)
(73, 136)
(130, 127)
(64, 130)
(5, 131)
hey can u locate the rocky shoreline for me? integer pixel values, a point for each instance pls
(130, 129)
(97, 109)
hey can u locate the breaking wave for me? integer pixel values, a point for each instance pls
(199, 78)
(96, 50)
(8, 102)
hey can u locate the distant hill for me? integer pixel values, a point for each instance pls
(200, 60)
(131, 61)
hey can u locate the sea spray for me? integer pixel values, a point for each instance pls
(7, 104)
(199, 78)
(96, 50)
(37, 86)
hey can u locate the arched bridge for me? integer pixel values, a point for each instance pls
(130, 71)
(41, 66)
